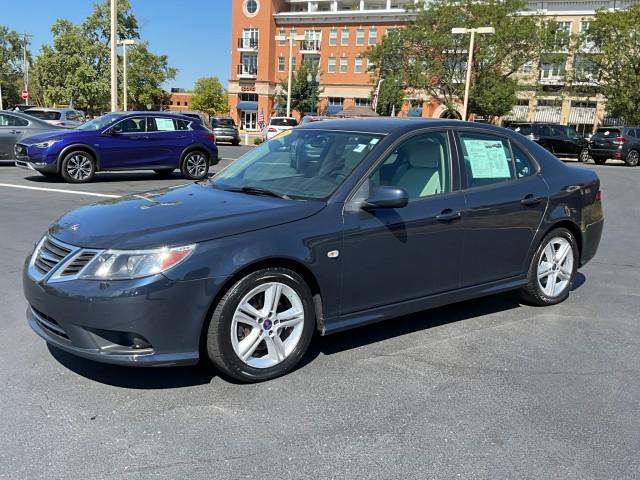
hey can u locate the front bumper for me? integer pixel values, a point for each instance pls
(152, 321)
(35, 162)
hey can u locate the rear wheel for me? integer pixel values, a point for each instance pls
(553, 269)
(633, 158)
(78, 167)
(262, 326)
(195, 165)
(164, 173)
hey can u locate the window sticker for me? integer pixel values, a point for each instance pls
(164, 124)
(488, 158)
(359, 148)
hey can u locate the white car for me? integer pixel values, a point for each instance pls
(277, 125)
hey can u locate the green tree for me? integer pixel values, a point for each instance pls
(209, 96)
(304, 94)
(426, 57)
(76, 67)
(391, 95)
(610, 60)
(10, 65)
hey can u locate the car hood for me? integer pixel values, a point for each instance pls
(175, 216)
(55, 133)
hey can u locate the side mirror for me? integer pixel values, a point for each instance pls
(386, 197)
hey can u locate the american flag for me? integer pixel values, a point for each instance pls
(261, 120)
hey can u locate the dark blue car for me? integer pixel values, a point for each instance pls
(327, 227)
(154, 141)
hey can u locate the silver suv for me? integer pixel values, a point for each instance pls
(225, 130)
(62, 117)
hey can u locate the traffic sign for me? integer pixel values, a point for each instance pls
(25, 94)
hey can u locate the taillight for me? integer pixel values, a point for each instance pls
(211, 137)
(618, 140)
(598, 195)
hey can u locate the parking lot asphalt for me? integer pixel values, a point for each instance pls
(485, 389)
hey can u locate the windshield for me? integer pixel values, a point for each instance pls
(100, 122)
(283, 122)
(223, 122)
(44, 115)
(302, 164)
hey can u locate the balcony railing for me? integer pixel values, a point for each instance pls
(247, 70)
(310, 46)
(248, 43)
(552, 80)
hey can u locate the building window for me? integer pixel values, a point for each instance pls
(293, 64)
(170, 102)
(358, 65)
(282, 34)
(363, 102)
(373, 36)
(336, 101)
(178, 103)
(251, 7)
(249, 97)
(331, 66)
(526, 68)
(344, 65)
(250, 38)
(344, 40)
(281, 64)
(371, 66)
(360, 36)
(333, 37)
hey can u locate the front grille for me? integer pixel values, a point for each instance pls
(78, 263)
(49, 255)
(49, 324)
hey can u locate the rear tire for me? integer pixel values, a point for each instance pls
(553, 269)
(195, 165)
(164, 173)
(78, 167)
(584, 156)
(262, 326)
(633, 158)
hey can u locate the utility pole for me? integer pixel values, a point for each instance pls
(25, 64)
(124, 44)
(114, 55)
(472, 31)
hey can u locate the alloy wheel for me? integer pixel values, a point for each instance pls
(79, 167)
(633, 158)
(196, 165)
(584, 155)
(555, 267)
(267, 325)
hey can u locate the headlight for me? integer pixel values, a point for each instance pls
(128, 264)
(46, 144)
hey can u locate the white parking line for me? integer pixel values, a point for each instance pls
(60, 190)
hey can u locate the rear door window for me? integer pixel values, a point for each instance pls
(165, 124)
(283, 122)
(12, 121)
(487, 159)
(44, 115)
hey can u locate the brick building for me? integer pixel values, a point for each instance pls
(335, 34)
(179, 100)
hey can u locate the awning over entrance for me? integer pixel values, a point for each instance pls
(248, 106)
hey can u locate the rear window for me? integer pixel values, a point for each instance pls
(523, 129)
(283, 122)
(223, 122)
(608, 132)
(44, 115)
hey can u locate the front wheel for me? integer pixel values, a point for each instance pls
(78, 167)
(553, 269)
(262, 326)
(633, 158)
(584, 155)
(195, 165)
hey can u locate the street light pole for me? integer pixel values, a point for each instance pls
(114, 56)
(124, 44)
(473, 32)
(292, 38)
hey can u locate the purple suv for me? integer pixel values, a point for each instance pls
(154, 141)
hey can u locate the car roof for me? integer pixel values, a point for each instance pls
(289, 118)
(51, 109)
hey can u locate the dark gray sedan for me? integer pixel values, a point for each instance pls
(326, 227)
(14, 126)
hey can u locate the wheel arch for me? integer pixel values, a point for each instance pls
(276, 262)
(195, 147)
(78, 147)
(570, 225)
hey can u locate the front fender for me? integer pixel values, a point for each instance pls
(77, 146)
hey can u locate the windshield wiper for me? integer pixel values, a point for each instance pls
(257, 191)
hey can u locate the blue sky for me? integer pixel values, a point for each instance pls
(195, 34)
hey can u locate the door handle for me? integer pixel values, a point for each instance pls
(15, 132)
(448, 215)
(530, 200)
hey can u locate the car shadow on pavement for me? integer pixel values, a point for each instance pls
(139, 378)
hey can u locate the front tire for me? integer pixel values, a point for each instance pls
(633, 158)
(262, 326)
(78, 167)
(195, 165)
(584, 155)
(553, 269)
